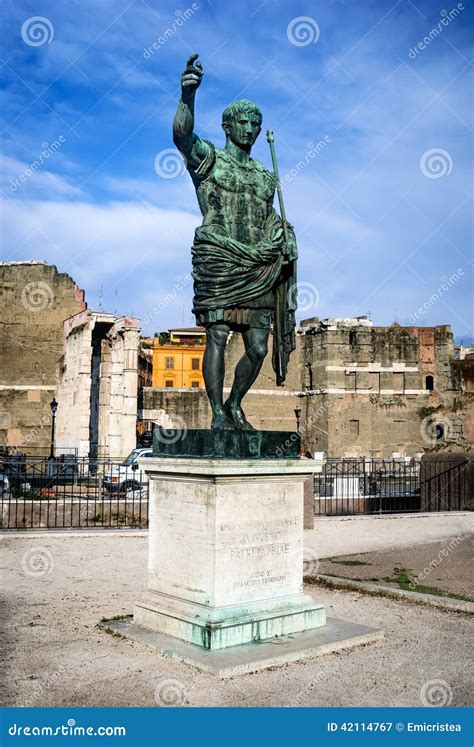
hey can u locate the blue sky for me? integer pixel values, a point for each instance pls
(382, 208)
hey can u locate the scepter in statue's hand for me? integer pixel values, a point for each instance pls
(271, 142)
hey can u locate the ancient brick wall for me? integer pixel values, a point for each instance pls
(367, 391)
(35, 299)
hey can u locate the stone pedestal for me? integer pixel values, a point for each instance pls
(226, 551)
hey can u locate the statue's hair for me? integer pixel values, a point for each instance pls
(242, 106)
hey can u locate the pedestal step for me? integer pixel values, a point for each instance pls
(217, 628)
(336, 635)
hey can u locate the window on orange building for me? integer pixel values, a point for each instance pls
(169, 383)
(195, 384)
(169, 362)
(195, 364)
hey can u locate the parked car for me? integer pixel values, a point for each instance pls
(128, 475)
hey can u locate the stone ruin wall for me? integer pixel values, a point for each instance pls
(35, 300)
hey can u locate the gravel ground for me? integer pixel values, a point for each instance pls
(57, 588)
(345, 535)
(447, 565)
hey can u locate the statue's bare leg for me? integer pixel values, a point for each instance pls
(213, 372)
(247, 370)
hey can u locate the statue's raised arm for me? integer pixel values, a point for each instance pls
(188, 143)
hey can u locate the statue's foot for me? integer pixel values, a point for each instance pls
(222, 422)
(238, 417)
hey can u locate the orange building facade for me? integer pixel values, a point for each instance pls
(178, 362)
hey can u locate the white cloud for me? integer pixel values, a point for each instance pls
(137, 250)
(19, 177)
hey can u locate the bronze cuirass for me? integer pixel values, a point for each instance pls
(236, 198)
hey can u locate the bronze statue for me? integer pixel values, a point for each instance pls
(244, 254)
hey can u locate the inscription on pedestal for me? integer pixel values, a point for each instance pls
(258, 555)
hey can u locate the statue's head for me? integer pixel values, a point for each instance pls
(242, 122)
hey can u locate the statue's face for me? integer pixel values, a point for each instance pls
(244, 129)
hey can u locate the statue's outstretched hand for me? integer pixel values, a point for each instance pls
(192, 76)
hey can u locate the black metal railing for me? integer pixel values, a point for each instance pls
(367, 486)
(71, 492)
(378, 486)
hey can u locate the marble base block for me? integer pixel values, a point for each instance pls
(226, 551)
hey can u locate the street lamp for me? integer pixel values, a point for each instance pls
(298, 416)
(54, 406)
